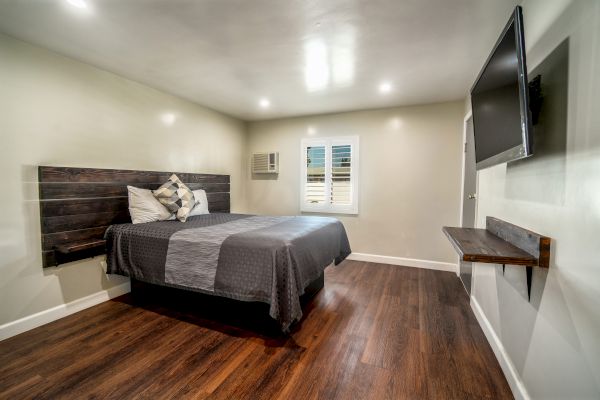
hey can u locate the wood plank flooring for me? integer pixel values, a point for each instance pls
(374, 332)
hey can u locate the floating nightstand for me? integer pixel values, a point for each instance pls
(501, 243)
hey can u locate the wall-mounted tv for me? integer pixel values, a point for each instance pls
(500, 100)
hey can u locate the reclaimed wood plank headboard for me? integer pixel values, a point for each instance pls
(77, 205)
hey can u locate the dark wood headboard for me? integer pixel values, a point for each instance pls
(78, 204)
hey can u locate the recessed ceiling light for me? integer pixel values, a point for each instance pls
(264, 103)
(385, 87)
(78, 3)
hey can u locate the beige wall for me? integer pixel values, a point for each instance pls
(553, 340)
(56, 111)
(410, 162)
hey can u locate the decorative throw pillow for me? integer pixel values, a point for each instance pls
(201, 206)
(176, 196)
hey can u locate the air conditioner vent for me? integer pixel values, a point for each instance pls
(265, 163)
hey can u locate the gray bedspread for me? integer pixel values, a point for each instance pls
(243, 257)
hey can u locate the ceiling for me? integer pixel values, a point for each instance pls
(303, 56)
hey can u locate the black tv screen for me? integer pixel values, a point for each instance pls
(499, 100)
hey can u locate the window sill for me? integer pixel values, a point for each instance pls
(329, 211)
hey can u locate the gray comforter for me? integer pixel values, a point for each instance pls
(243, 257)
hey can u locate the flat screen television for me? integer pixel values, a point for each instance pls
(500, 100)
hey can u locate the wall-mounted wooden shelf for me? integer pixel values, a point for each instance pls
(80, 246)
(479, 245)
(501, 243)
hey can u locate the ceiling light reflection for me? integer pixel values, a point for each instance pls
(264, 103)
(81, 4)
(316, 72)
(385, 87)
(330, 59)
(343, 57)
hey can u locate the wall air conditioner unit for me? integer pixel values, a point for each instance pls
(265, 163)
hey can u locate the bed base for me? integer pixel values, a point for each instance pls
(313, 288)
(212, 311)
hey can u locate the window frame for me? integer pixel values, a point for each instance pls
(328, 143)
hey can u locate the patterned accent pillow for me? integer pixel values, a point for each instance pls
(176, 196)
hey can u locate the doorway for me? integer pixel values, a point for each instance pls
(469, 195)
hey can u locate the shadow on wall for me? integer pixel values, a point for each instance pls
(20, 250)
(527, 318)
(515, 276)
(526, 321)
(527, 180)
(264, 177)
(549, 137)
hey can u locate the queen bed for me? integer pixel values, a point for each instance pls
(243, 257)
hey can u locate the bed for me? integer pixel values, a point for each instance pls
(265, 259)
(243, 257)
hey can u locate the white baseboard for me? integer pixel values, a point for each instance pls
(510, 372)
(407, 262)
(52, 314)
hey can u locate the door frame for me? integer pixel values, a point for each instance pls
(462, 179)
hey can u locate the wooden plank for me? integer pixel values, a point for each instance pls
(87, 221)
(220, 206)
(55, 257)
(189, 178)
(51, 240)
(64, 207)
(78, 246)
(84, 221)
(67, 174)
(480, 245)
(214, 197)
(66, 221)
(96, 175)
(218, 202)
(49, 258)
(529, 241)
(76, 190)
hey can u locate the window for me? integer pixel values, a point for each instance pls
(330, 175)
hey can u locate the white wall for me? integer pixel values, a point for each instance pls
(56, 111)
(410, 161)
(553, 341)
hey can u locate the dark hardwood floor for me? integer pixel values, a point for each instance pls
(374, 332)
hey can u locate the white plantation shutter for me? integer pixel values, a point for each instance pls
(341, 175)
(330, 175)
(315, 191)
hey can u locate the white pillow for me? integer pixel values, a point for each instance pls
(144, 207)
(201, 206)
